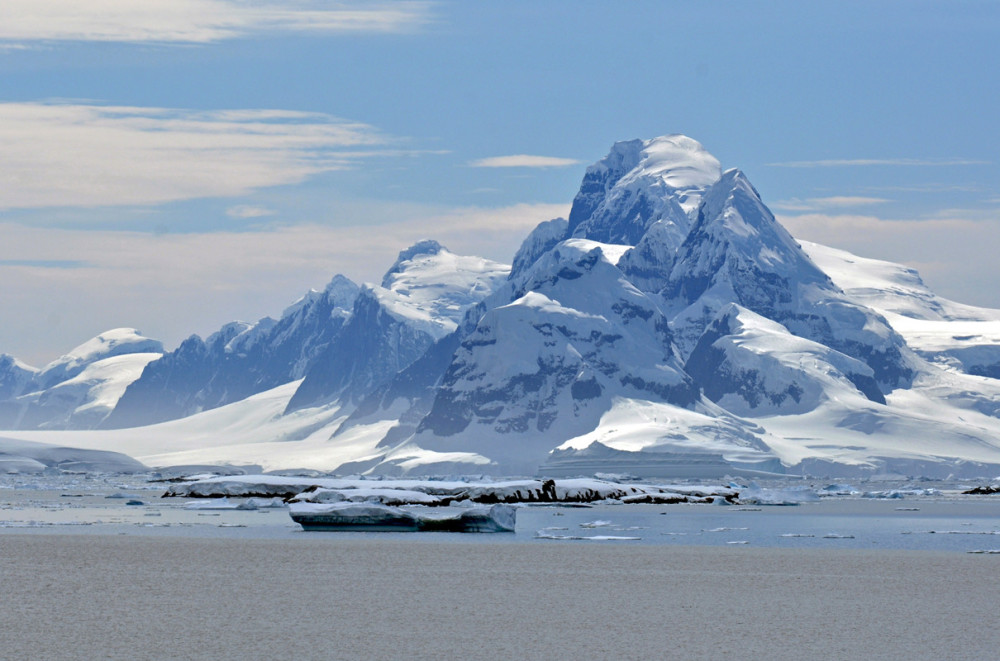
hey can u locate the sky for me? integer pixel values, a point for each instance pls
(172, 165)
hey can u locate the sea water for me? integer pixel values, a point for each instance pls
(85, 576)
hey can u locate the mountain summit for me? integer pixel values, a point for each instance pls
(641, 182)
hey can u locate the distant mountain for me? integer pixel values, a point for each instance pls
(422, 298)
(78, 390)
(14, 376)
(237, 361)
(669, 327)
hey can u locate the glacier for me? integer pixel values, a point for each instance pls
(669, 327)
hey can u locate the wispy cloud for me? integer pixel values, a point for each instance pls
(854, 162)
(816, 203)
(523, 161)
(199, 21)
(248, 211)
(930, 187)
(44, 263)
(93, 155)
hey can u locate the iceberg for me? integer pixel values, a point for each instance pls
(376, 517)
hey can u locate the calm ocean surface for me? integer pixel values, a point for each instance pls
(84, 576)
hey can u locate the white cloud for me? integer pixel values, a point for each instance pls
(198, 21)
(852, 162)
(248, 211)
(93, 155)
(523, 161)
(929, 187)
(61, 287)
(815, 203)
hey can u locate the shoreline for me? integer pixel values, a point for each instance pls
(122, 596)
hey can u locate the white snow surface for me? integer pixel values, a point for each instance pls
(679, 163)
(251, 431)
(643, 182)
(547, 365)
(430, 287)
(891, 288)
(637, 425)
(778, 361)
(431, 491)
(22, 456)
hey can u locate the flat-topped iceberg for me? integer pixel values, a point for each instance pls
(376, 517)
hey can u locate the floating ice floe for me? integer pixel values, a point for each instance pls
(756, 495)
(899, 493)
(541, 534)
(444, 492)
(375, 517)
(838, 490)
(226, 504)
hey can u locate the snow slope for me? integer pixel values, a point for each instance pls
(20, 456)
(961, 337)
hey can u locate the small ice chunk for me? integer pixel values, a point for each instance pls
(791, 496)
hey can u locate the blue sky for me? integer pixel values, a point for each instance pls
(172, 165)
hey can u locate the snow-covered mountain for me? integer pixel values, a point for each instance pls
(78, 390)
(548, 363)
(670, 327)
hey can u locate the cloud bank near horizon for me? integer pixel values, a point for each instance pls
(80, 282)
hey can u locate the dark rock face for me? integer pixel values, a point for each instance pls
(542, 239)
(576, 334)
(372, 347)
(14, 378)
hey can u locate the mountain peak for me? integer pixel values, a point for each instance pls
(679, 161)
(639, 183)
(423, 248)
